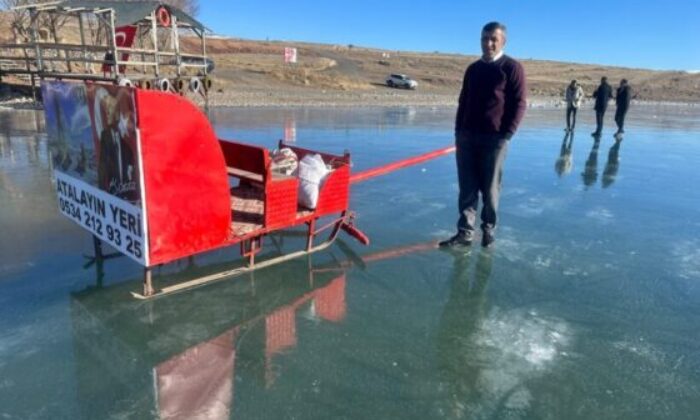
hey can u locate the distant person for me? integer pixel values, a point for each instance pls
(491, 106)
(622, 101)
(602, 95)
(574, 96)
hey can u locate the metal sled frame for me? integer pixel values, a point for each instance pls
(249, 248)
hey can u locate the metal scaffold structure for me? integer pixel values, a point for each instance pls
(135, 43)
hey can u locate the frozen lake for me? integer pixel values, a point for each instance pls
(587, 307)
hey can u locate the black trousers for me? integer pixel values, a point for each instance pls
(480, 159)
(620, 114)
(571, 112)
(599, 116)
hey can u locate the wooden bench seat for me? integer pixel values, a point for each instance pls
(242, 174)
(252, 165)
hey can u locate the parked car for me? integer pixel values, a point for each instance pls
(401, 81)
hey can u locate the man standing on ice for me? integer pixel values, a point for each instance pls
(491, 105)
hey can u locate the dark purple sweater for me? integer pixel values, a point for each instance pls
(493, 98)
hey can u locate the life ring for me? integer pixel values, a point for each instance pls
(163, 16)
(195, 85)
(164, 85)
(125, 82)
(146, 84)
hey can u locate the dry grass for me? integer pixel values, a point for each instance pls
(342, 68)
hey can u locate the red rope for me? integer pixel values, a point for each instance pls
(381, 170)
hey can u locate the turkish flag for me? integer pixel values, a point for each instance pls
(124, 37)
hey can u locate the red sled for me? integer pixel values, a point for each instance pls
(152, 172)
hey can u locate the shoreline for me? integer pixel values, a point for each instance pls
(296, 98)
(299, 98)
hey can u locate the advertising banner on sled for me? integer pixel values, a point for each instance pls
(93, 141)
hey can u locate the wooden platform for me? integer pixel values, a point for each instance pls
(247, 207)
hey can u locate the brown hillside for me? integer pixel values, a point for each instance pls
(256, 68)
(353, 68)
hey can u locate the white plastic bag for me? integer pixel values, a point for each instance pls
(311, 173)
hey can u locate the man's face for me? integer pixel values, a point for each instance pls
(492, 43)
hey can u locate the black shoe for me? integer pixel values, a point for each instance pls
(460, 239)
(487, 239)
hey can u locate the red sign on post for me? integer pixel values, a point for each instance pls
(290, 55)
(290, 130)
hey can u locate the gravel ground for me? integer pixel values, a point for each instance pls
(300, 97)
(333, 98)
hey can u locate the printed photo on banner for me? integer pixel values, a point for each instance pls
(69, 128)
(113, 116)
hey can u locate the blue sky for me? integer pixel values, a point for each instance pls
(644, 33)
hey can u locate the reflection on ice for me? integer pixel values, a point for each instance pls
(612, 165)
(590, 172)
(208, 366)
(198, 362)
(507, 350)
(490, 355)
(564, 163)
(585, 308)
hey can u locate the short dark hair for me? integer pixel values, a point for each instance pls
(492, 26)
(603, 79)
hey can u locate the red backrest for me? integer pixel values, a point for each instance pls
(247, 157)
(186, 185)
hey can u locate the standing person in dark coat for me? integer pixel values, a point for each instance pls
(491, 106)
(602, 95)
(622, 100)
